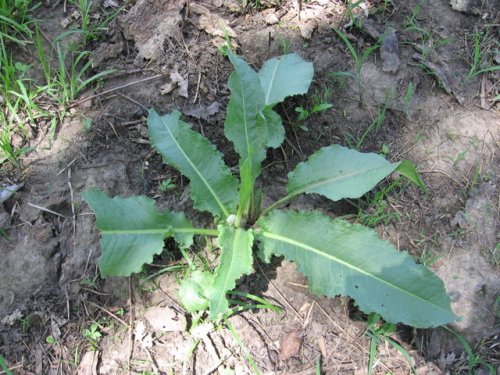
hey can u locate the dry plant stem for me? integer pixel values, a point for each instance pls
(20, 365)
(46, 210)
(114, 130)
(156, 370)
(197, 87)
(444, 173)
(105, 92)
(66, 167)
(217, 365)
(72, 202)
(118, 319)
(280, 294)
(130, 326)
(132, 100)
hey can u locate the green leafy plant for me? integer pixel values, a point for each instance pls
(305, 113)
(5, 368)
(378, 331)
(166, 185)
(92, 334)
(339, 258)
(51, 340)
(473, 360)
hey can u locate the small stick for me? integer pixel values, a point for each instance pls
(280, 294)
(133, 100)
(114, 130)
(197, 87)
(105, 92)
(12, 368)
(444, 173)
(45, 209)
(66, 167)
(156, 370)
(108, 312)
(68, 310)
(130, 325)
(72, 201)
(135, 122)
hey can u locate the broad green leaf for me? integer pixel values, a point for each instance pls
(285, 76)
(346, 259)
(338, 172)
(193, 291)
(407, 169)
(132, 231)
(213, 187)
(274, 126)
(236, 260)
(241, 127)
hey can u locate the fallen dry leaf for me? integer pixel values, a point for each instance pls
(203, 111)
(322, 347)
(182, 83)
(215, 25)
(177, 82)
(290, 344)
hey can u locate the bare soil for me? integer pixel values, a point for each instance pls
(49, 281)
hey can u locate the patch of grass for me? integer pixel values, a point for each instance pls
(70, 81)
(373, 209)
(359, 57)
(27, 105)
(427, 250)
(412, 22)
(379, 331)
(408, 96)
(484, 46)
(15, 21)
(473, 360)
(90, 29)
(4, 367)
(357, 142)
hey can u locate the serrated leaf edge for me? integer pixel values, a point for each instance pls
(347, 265)
(205, 182)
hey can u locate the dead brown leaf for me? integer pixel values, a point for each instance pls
(290, 344)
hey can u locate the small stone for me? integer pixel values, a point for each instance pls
(165, 319)
(389, 51)
(271, 18)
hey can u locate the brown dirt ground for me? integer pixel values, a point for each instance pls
(49, 284)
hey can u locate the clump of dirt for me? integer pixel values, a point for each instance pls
(167, 56)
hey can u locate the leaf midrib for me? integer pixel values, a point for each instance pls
(228, 278)
(221, 205)
(271, 82)
(319, 252)
(245, 122)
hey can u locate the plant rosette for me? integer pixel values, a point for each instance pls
(337, 257)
